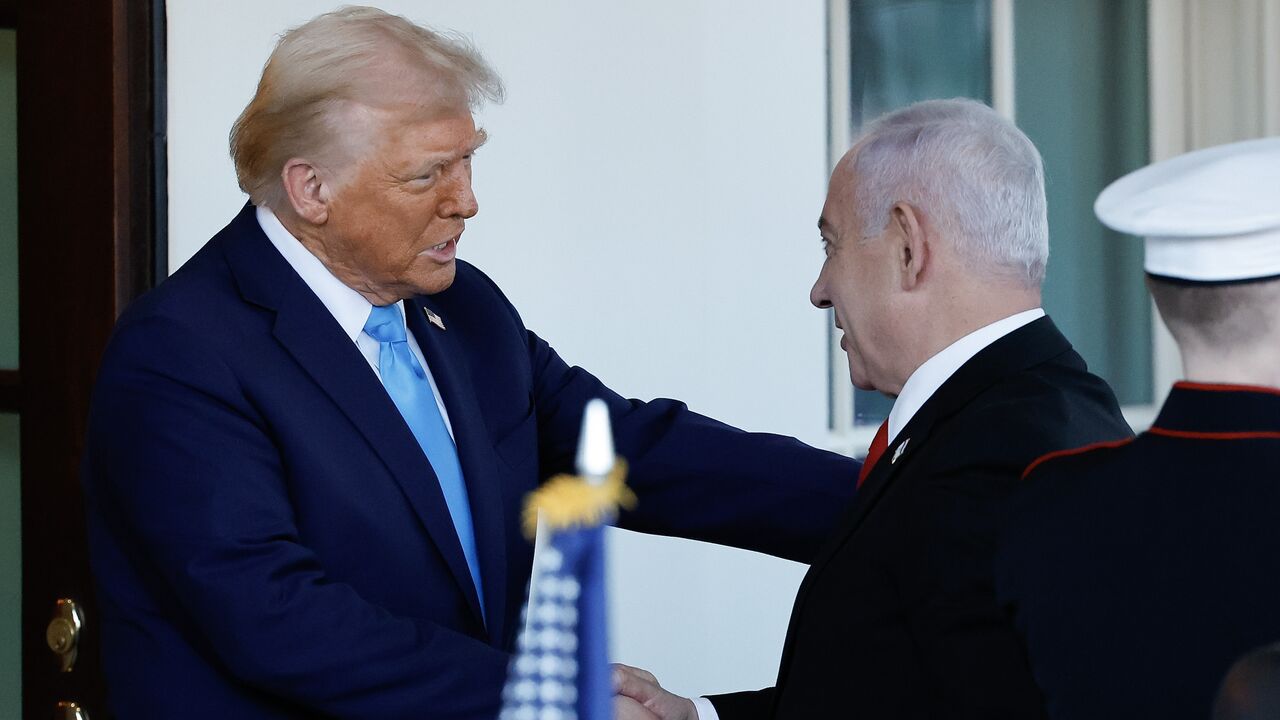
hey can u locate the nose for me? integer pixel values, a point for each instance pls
(459, 200)
(818, 293)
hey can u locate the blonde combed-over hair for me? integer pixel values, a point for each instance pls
(332, 60)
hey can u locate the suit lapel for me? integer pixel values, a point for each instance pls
(1025, 347)
(446, 358)
(304, 327)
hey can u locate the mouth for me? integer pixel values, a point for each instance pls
(444, 252)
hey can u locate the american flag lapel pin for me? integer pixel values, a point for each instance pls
(898, 453)
(433, 318)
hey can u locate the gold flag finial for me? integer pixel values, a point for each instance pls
(570, 502)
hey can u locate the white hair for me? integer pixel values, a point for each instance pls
(973, 175)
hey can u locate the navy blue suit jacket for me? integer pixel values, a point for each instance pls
(269, 541)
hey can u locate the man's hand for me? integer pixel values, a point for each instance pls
(640, 697)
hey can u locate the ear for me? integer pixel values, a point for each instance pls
(307, 191)
(911, 243)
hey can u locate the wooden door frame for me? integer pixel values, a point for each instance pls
(90, 210)
(10, 380)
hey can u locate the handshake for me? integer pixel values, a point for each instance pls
(638, 696)
(990, 564)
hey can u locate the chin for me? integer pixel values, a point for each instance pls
(859, 379)
(438, 281)
(863, 385)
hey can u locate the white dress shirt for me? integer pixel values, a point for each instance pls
(935, 371)
(347, 306)
(921, 386)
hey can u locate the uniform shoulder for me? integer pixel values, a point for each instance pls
(1072, 460)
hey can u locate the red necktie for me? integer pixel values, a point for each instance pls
(878, 445)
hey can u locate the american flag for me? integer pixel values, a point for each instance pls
(561, 667)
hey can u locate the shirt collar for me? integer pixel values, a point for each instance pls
(347, 306)
(935, 371)
(1219, 411)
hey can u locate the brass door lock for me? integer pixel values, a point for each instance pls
(70, 711)
(63, 635)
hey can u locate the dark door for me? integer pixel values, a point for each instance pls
(87, 222)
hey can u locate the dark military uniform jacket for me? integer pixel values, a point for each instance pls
(1137, 571)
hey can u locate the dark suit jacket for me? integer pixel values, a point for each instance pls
(1140, 571)
(269, 540)
(897, 617)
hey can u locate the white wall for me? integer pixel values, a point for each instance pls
(648, 200)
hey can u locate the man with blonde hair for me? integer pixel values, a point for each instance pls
(309, 447)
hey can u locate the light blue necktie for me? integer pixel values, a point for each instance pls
(407, 384)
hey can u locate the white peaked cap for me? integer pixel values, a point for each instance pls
(1208, 216)
(595, 444)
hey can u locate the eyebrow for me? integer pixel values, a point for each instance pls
(436, 160)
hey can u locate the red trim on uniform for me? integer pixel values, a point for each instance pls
(1194, 435)
(1226, 387)
(1074, 451)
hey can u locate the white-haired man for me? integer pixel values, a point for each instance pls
(309, 447)
(936, 243)
(1137, 571)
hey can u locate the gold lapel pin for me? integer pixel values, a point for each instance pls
(898, 453)
(433, 318)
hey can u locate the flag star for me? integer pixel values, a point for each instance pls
(549, 587)
(551, 691)
(546, 613)
(552, 560)
(525, 691)
(549, 665)
(568, 615)
(570, 589)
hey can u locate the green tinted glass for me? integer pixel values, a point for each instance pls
(1081, 73)
(905, 51)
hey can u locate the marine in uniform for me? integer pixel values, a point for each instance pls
(1138, 570)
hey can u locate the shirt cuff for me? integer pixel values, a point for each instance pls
(706, 711)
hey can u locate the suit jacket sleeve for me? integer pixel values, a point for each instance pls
(184, 463)
(749, 705)
(696, 477)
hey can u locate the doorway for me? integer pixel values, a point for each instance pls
(89, 159)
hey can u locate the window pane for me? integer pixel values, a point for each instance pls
(10, 572)
(1081, 84)
(8, 201)
(905, 51)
